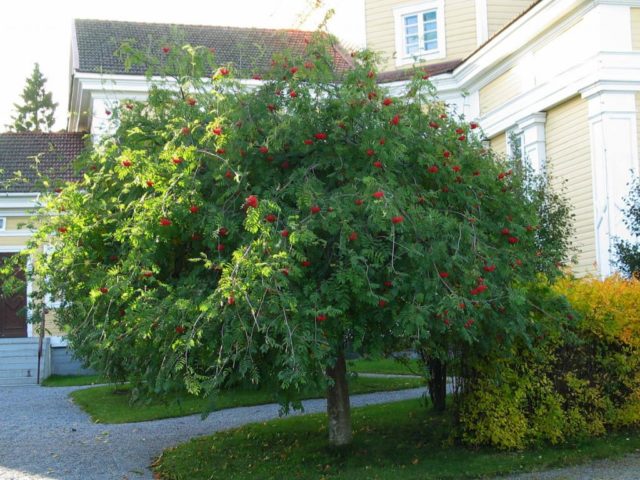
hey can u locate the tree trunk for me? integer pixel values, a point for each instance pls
(438, 383)
(338, 406)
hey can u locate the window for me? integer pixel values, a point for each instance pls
(420, 32)
(3, 223)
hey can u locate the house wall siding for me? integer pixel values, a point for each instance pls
(635, 28)
(460, 29)
(569, 163)
(499, 91)
(501, 12)
(499, 144)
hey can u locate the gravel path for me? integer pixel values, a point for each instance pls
(44, 436)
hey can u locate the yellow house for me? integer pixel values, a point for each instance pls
(559, 77)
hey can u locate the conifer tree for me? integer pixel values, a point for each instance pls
(37, 111)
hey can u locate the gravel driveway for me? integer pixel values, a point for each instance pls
(44, 436)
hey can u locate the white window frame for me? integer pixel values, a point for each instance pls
(399, 13)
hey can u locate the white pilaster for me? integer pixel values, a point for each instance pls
(482, 22)
(533, 140)
(614, 158)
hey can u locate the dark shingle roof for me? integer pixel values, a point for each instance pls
(407, 73)
(36, 153)
(249, 49)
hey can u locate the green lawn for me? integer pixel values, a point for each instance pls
(72, 380)
(395, 441)
(106, 406)
(384, 365)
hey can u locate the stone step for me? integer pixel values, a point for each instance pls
(30, 371)
(12, 350)
(14, 382)
(19, 341)
(17, 360)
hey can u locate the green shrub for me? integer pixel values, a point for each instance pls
(580, 378)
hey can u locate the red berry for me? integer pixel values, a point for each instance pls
(321, 317)
(264, 149)
(459, 131)
(180, 329)
(353, 237)
(271, 107)
(270, 218)
(196, 237)
(315, 209)
(305, 263)
(395, 120)
(505, 231)
(284, 233)
(165, 222)
(308, 142)
(371, 152)
(217, 131)
(256, 76)
(126, 163)
(293, 94)
(320, 136)
(228, 174)
(191, 101)
(443, 274)
(220, 247)
(456, 168)
(166, 49)
(285, 272)
(462, 138)
(104, 290)
(221, 151)
(177, 160)
(377, 164)
(446, 154)
(231, 301)
(513, 240)
(223, 232)
(147, 274)
(443, 116)
(308, 65)
(150, 183)
(378, 195)
(251, 201)
(185, 130)
(433, 169)
(473, 125)
(224, 71)
(387, 101)
(396, 220)
(388, 283)
(434, 125)
(293, 70)
(382, 303)
(489, 268)
(194, 209)
(371, 74)
(358, 201)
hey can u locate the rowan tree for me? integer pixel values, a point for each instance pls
(230, 234)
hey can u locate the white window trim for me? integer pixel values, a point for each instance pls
(400, 12)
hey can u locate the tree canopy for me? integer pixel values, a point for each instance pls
(254, 232)
(36, 113)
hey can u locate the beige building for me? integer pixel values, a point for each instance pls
(559, 77)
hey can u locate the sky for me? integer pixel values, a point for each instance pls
(40, 31)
